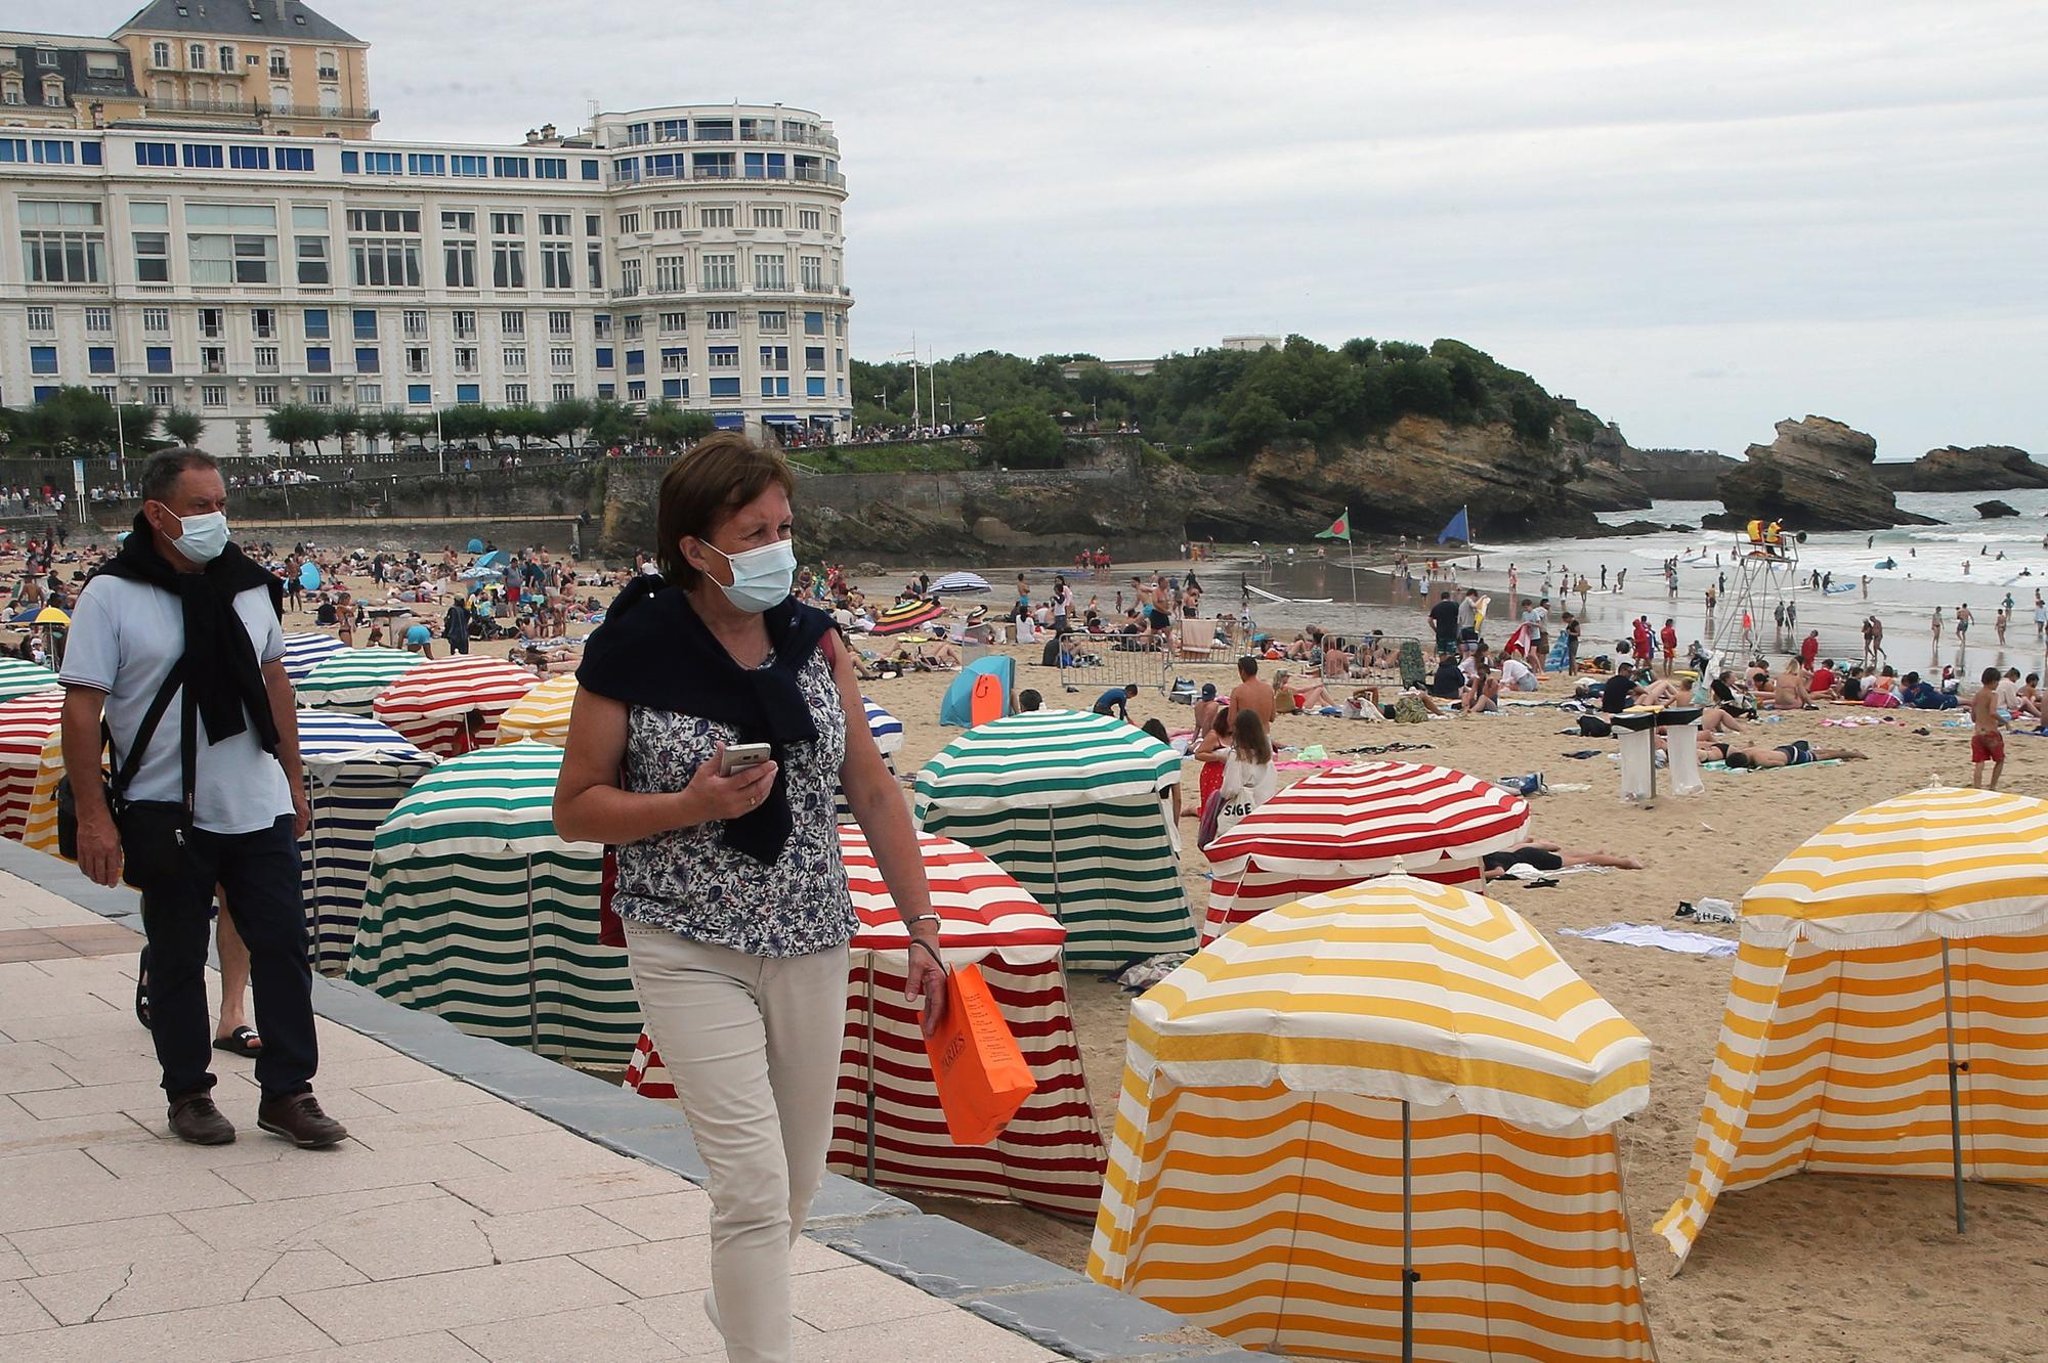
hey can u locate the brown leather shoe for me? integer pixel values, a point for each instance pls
(299, 1120)
(194, 1118)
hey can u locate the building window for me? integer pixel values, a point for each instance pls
(720, 273)
(637, 392)
(263, 323)
(509, 167)
(42, 359)
(565, 392)
(773, 322)
(213, 359)
(213, 395)
(99, 359)
(369, 395)
(195, 56)
(555, 268)
(420, 394)
(414, 323)
(468, 167)
(156, 319)
(417, 162)
(669, 276)
(315, 323)
(771, 272)
(294, 158)
(767, 217)
(714, 217)
(156, 154)
(266, 359)
(725, 388)
(595, 259)
(465, 359)
(668, 219)
(601, 326)
(266, 395)
(365, 324)
(226, 54)
(550, 168)
(385, 262)
(508, 264)
(159, 54)
(458, 260)
(632, 327)
(319, 359)
(561, 324)
(775, 358)
(157, 359)
(674, 360)
(99, 319)
(773, 386)
(249, 158)
(562, 357)
(367, 360)
(219, 258)
(514, 359)
(159, 394)
(213, 323)
(42, 319)
(464, 324)
(319, 394)
(202, 156)
(515, 394)
(329, 68)
(721, 321)
(675, 388)
(468, 393)
(629, 277)
(674, 323)
(812, 269)
(61, 242)
(809, 220)
(554, 224)
(416, 359)
(723, 357)
(312, 260)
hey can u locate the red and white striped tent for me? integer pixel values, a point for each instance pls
(430, 704)
(1336, 828)
(27, 723)
(1051, 1156)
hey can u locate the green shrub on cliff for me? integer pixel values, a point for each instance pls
(1020, 438)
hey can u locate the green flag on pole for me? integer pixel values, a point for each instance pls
(1340, 529)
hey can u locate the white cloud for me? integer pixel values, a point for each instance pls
(1696, 219)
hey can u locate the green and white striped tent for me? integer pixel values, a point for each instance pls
(1071, 804)
(349, 680)
(20, 677)
(479, 912)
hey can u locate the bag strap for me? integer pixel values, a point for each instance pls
(125, 771)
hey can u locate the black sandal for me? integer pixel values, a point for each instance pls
(243, 1041)
(142, 991)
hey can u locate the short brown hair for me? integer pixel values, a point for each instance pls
(714, 478)
(167, 466)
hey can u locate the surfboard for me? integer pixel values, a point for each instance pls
(1289, 600)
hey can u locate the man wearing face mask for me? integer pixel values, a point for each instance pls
(177, 645)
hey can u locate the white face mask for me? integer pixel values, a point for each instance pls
(760, 577)
(201, 538)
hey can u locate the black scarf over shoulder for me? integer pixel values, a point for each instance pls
(654, 650)
(221, 668)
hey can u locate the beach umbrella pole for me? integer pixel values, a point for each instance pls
(1407, 1239)
(871, 1067)
(1955, 1101)
(532, 985)
(1052, 847)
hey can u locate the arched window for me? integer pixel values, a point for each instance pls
(227, 57)
(195, 56)
(53, 90)
(160, 54)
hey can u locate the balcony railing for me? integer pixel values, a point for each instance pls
(802, 173)
(258, 109)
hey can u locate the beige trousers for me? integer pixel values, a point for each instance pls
(752, 1044)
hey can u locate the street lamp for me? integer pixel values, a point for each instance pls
(440, 446)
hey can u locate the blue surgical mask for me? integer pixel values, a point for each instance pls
(760, 577)
(202, 538)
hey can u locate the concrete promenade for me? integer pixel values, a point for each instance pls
(456, 1224)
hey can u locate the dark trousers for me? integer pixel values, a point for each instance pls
(260, 874)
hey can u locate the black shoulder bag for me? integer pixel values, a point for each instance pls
(155, 834)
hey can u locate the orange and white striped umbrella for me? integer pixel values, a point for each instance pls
(542, 714)
(27, 724)
(1279, 1087)
(1338, 827)
(431, 703)
(1051, 1155)
(1908, 928)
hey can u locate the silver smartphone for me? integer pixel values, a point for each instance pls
(740, 756)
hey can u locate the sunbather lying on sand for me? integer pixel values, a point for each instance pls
(1548, 856)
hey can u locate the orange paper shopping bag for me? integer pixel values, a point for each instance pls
(981, 1073)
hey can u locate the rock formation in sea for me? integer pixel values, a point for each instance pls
(1982, 468)
(1994, 509)
(1817, 475)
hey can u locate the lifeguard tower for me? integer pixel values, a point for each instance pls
(1766, 573)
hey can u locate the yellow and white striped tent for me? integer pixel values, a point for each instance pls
(542, 714)
(1256, 1182)
(1914, 924)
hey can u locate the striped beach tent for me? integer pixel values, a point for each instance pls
(27, 724)
(1378, 1118)
(1335, 828)
(542, 714)
(358, 771)
(349, 681)
(1075, 807)
(431, 703)
(20, 677)
(1888, 1012)
(886, 1125)
(887, 729)
(304, 652)
(477, 910)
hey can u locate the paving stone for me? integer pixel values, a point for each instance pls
(554, 1150)
(679, 1318)
(151, 1286)
(20, 1313)
(944, 1335)
(405, 1239)
(346, 1167)
(502, 1194)
(450, 1301)
(425, 1095)
(68, 1249)
(656, 1269)
(1088, 1320)
(554, 1230)
(615, 1334)
(99, 1099)
(669, 1147)
(664, 1216)
(843, 1199)
(293, 1222)
(841, 1298)
(12, 1264)
(74, 1203)
(382, 1129)
(235, 1333)
(437, 1347)
(944, 1258)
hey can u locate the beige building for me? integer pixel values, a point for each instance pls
(55, 80)
(272, 66)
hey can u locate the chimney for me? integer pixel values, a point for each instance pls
(547, 132)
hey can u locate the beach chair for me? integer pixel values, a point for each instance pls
(1197, 639)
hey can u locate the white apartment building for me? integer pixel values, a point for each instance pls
(693, 255)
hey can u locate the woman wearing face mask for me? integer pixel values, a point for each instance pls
(730, 884)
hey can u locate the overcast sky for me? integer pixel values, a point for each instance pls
(1694, 219)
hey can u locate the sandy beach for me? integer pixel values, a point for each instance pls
(1806, 1270)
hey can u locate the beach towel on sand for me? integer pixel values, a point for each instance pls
(1650, 935)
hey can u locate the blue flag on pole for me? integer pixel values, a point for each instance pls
(1460, 530)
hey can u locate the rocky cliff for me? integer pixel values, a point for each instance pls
(1983, 468)
(1408, 480)
(1817, 475)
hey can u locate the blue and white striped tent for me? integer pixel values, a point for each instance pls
(303, 652)
(359, 770)
(887, 729)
